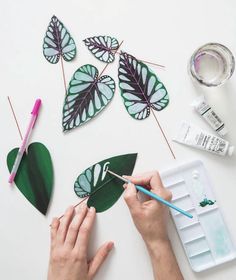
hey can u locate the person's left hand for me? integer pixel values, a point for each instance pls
(69, 246)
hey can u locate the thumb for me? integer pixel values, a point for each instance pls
(99, 258)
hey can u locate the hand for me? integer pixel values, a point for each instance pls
(69, 246)
(150, 216)
(150, 220)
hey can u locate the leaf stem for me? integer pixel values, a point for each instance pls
(15, 118)
(92, 193)
(152, 63)
(63, 74)
(75, 206)
(145, 61)
(163, 133)
(116, 51)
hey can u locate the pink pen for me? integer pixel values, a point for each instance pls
(22, 149)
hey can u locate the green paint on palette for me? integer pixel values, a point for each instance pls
(206, 202)
(102, 188)
(34, 177)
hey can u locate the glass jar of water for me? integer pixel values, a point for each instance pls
(212, 64)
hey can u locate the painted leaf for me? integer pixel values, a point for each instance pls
(58, 42)
(88, 94)
(34, 177)
(102, 188)
(140, 88)
(102, 47)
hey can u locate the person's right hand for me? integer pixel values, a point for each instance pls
(150, 216)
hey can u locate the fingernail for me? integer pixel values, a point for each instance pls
(91, 209)
(69, 209)
(110, 246)
(125, 186)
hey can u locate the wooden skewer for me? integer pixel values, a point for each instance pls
(15, 118)
(145, 61)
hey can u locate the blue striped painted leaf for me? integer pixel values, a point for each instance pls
(88, 94)
(58, 42)
(103, 188)
(140, 88)
(102, 47)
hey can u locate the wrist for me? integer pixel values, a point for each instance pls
(158, 246)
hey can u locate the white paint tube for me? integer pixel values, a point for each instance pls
(193, 136)
(209, 115)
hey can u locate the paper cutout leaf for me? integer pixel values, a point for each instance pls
(58, 42)
(34, 177)
(102, 188)
(140, 88)
(102, 47)
(88, 94)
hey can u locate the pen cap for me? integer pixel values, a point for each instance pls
(37, 105)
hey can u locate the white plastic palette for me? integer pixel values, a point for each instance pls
(205, 238)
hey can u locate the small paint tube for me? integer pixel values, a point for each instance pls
(209, 115)
(193, 136)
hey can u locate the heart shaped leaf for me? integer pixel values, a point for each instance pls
(102, 188)
(140, 88)
(88, 94)
(34, 177)
(102, 47)
(58, 42)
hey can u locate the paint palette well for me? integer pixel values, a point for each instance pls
(205, 237)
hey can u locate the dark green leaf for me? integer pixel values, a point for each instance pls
(102, 188)
(34, 177)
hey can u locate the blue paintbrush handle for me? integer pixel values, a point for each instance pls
(160, 199)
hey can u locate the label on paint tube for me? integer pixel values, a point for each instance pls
(195, 137)
(209, 115)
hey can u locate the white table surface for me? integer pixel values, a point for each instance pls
(166, 32)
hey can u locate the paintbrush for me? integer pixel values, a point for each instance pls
(153, 195)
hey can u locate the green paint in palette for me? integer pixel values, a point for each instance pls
(34, 177)
(206, 202)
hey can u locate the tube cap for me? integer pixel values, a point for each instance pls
(231, 151)
(223, 131)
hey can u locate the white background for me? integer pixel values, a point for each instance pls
(165, 32)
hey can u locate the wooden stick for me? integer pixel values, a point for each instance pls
(145, 61)
(75, 206)
(109, 63)
(163, 133)
(15, 118)
(63, 74)
(90, 195)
